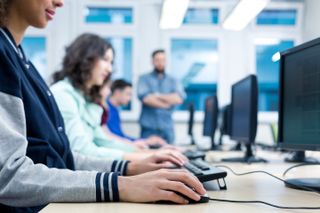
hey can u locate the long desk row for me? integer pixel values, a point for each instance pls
(249, 187)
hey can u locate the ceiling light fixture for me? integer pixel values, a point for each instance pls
(173, 12)
(243, 13)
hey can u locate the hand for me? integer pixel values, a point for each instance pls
(155, 140)
(173, 147)
(154, 162)
(174, 153)
(160, 185)
(141, 144)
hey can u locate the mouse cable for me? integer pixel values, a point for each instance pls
(299, 165)
(265, 203)
(264, 172)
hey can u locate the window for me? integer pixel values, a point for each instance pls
(201, 16)
(35, 50)
(277, 17)
(109, 15)
(115, 20)
(122, 67)
(194, 62)
(267, 65)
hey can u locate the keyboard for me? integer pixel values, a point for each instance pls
(192, 155)
(204, 171)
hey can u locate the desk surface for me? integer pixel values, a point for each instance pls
(249, 187)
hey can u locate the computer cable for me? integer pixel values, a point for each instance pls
(264, 172)
(263, 202)
(299, 165)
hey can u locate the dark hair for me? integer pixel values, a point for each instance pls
(154, 53)
(119, 84)
(78, 63)
(4, 7)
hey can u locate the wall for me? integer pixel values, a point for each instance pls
(264, 134)
(236, 61)
(311, 28)
(236, 48)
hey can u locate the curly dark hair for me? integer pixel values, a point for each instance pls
(79, 61)
(4, 6)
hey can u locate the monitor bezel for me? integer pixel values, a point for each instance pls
(284, 54)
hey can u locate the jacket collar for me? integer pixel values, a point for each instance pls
(17, 48)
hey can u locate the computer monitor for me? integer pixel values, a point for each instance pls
(225, 129)
(224, 121)
(190, 122)
(211, 119)
(299, 106)
(244, 116)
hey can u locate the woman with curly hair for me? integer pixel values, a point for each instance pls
(37, 166)
(86, 67)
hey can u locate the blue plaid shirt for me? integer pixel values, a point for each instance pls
(156, 118)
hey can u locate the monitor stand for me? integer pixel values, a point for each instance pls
(312, 183)
(220, 140)
(248, 158)
(237, 147)
(299, 157)
(214, 147)
(193, 142)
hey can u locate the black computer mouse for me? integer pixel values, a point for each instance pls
(203, 199)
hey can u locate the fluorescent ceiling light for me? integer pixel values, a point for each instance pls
(276, 57)
(173, 12)
(266, 41)
(243, 13)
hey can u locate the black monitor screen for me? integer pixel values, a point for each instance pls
(299, 126)
(244, 110)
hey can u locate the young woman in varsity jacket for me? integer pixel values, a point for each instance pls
(36, 164)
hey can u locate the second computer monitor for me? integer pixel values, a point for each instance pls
(244, 109)
(244, 116)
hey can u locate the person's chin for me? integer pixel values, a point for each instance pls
(41, 24)
(100, 83)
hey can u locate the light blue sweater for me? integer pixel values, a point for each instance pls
(82, 122)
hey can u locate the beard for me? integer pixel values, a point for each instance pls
(159, 71)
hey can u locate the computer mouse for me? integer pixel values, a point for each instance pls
(203, 199)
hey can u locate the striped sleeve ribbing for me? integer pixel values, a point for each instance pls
(120, 167)
(107, 187)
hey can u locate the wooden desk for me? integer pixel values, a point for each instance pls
(250, 187)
